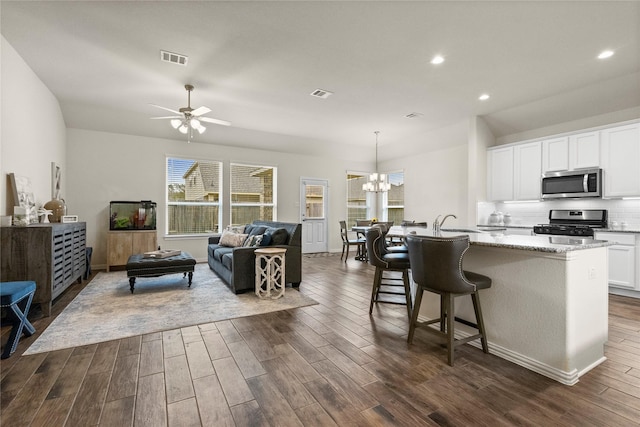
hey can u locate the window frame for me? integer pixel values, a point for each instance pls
(369, 201)
(385, 197)
(219, 204)
(273, 205)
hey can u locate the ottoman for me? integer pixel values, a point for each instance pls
(17, 297)
(139, 266)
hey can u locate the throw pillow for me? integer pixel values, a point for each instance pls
(253, 240)
(266, 240)
(240, 229)
(231, 239)
(279, 236)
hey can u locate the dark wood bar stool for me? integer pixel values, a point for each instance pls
(384, 261)
(436, 266)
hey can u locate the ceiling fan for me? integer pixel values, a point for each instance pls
(186, 119)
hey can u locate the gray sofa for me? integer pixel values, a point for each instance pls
(236, 266)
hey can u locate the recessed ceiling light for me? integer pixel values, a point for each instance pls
(438, 59)
(484, 97)
(605, 54)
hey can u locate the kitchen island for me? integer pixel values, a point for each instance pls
(547, 308)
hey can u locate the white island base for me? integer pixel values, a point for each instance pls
(545, 311)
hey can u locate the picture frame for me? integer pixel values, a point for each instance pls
(56, 180)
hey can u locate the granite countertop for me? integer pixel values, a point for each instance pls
(631, 229)
(505, 226)
(479, 237)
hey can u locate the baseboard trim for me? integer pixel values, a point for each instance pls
(563, 377)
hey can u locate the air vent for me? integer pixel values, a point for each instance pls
(174, 58)
(321, 93)
(413, 115)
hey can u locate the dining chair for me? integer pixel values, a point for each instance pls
(385, 261)
(436, 266)
(359, 243)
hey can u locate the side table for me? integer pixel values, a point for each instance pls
(270, 272)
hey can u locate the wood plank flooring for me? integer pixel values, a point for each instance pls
(324, 365)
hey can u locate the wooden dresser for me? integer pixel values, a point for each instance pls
(52, 255)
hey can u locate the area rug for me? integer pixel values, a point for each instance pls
(106, 309)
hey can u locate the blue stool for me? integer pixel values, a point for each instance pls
(17, 296)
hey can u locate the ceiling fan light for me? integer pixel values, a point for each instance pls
(175, 123)
(183, 128)
(201, 129)
(195, 123)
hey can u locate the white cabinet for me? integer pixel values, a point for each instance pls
(571, 152)
(527, 170)
(513, 173)
(500, 173)
(584, 150)
(620, 160)
(555, 154)
(622, 260)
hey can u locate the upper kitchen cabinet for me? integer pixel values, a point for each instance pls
(577, 151)
(555, 154)
(584, 150)
(620, 152)
(527, 170)
(500, 174)
(514, 172)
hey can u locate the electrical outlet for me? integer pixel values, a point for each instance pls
(592, 272)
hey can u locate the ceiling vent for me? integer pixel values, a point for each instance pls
(174, 58)
(321, 93)
(413, 115)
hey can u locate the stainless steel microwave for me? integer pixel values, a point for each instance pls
(572, 184)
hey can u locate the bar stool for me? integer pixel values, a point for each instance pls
(17, 297)
(270, 272)
(436, 266)
(384, 261)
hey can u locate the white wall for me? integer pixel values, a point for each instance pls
(436, 181)
(480, 138)
(33, 130)
(105, 166)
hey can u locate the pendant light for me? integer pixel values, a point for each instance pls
(377, 182)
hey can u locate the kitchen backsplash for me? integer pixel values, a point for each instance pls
(530, 214)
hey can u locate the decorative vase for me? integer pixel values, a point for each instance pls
(58, 209)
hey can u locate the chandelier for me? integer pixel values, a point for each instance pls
(377, 182)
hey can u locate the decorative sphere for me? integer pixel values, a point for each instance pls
(58, 208)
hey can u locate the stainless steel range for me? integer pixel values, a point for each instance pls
(573, 222)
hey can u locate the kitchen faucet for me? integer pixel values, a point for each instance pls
(437, 225)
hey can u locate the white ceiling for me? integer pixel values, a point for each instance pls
(255, 64)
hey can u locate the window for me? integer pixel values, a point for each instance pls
(314, 201)
(394, 199)
(193, 196)
(357, 200)
(253, 195)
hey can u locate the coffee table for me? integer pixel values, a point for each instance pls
(139, 266)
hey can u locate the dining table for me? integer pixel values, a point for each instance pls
(361, 233)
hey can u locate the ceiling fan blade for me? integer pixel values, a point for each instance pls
(167, 109)
(216, 121)
(167, 117)
(200, 111)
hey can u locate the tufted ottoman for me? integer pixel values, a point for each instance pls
(139, 266)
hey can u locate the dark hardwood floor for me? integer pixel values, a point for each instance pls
(328, 364)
